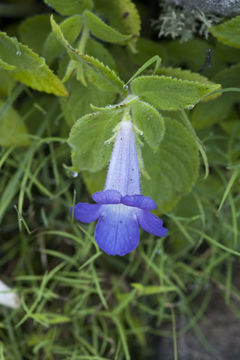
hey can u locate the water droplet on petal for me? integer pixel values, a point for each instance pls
(125, 87)
(18, 53)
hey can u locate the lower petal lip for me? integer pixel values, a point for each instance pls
(117, 230)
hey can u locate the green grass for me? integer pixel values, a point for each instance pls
(79, 303)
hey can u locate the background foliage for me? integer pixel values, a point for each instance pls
(65, 68)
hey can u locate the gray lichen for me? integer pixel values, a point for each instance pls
(220, 7)
(184, 18)
(183, 23)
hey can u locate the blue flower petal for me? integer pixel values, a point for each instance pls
(86, 212)
(140, 201)
(151, 223)
(107, 197)
(117, 230)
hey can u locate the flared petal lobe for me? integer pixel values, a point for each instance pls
(86, 212)
(107, 197)
(117, 230)
(139, 201)
(151, 223)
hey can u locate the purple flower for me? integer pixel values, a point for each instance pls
(120, 209)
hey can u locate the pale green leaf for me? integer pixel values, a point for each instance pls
(150, 122)
(30, 69)
(12, 129)
(71, 28)
(102, 76)
(173, 169)
(87, 139)
(179, 73)
(34, 30)
(103, 31)
(228, 32)
(70, 7)
(80, 98)
(122, 15)
(168, 93)
(6, 66)
(96, 72)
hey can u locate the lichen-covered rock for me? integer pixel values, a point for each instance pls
(221, 7)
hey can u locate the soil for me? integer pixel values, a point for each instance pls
(221, 329)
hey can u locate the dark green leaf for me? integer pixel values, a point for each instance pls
(206, 114)
(97, 50)
(12, 129)
(34, 30)
(173, 169)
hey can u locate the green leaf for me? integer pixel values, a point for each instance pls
(168, 93)
(179, 73)
(87, 139)
(80, 98)
(71, 28)
(232, 125)
(94, 181)
(187, 75)
(6, 83)
(12, 129)
(122, 15)
(70, 7)
(97, 50)
(103, 31)
(146, 49)
(96, 72)
(206, 114)
(34, 30)
(228, 32)
(30, 69)
(192, 55)
(150, 122)
(6, 66)
(173, 169)
(102, 76)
